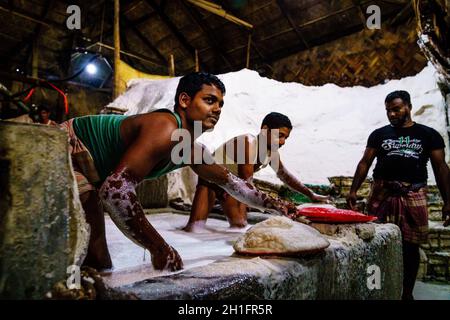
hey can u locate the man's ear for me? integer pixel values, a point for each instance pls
(184, 100)
(265, 127)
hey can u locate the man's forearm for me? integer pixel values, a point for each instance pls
(442, 174)
(118, 193)
(359, 177)
(294, 184)
(246, 193)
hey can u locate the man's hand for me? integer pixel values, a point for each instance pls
(168, 259)
(282, 207)
(446, 214)
(351, 200)
(319, 198)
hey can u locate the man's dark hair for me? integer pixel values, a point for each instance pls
(275, 120)
(193, 82)
(43, 107)
(404, 95)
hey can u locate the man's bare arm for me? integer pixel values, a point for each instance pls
(360, 175)
(240, 189)
(442, 175)
(296, 185)
(247, 169)
(118, 193)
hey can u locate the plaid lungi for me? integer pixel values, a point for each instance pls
(402, 204)
(83, 164)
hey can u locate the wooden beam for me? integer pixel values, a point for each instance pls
(109, 31)
(172, 27)
(144, 40)
(310, 22)
(30, 41)
(396, 2)
(129, 53)
(197, 67)
(172, 66)
(116, 85)
(132, 6)
(247, 62)
(243, 33)
(218, 10)
(208, 32)
(287, 15)
(361, 14)
(282, 53)
(34, 18)
(402, 14)
(136, 63)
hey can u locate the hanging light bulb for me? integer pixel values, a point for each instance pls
(91, 68)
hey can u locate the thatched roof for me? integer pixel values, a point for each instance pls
(152, 30)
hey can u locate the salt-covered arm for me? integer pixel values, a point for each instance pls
(240, 189)
(118, 194)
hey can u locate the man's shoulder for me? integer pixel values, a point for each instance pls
(381, 129)
(240, 138)
(425, 128)
(156, 119)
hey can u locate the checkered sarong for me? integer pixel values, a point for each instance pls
(82, 161)
(402, 204)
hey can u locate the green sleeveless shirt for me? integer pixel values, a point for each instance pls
(101, 135)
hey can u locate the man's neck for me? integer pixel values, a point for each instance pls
(185, 124)
(408, 123)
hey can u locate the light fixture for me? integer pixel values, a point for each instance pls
(91, 68)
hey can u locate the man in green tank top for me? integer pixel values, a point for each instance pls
(125, 150)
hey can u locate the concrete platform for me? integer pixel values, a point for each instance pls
(213, 271)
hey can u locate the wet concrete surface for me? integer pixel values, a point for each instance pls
(213, 271)
(131, 263)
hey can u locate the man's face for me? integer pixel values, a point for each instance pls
(205, 106)
(280, 138)
(44, 115)
(397, 112)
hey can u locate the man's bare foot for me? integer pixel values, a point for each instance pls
(239, 227)
(98, 263)
(238, 224)
(196, 227)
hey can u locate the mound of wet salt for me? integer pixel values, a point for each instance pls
(280, 235)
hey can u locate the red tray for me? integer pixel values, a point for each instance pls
(333, 215)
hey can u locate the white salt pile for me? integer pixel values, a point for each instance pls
(331, 124)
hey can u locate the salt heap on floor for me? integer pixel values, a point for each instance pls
(331, 123)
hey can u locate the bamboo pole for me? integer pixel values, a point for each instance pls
(249, 43)
(116, 48)
(130, 54)
(171, 66)
(197, 66)
(35, 60)
(216, 9)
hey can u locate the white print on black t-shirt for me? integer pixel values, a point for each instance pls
(403, 146)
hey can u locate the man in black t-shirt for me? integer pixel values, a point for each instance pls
(398, 193)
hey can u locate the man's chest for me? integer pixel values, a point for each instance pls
(408, 146)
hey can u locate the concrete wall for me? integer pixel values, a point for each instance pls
(42, 227)
(340, 272)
